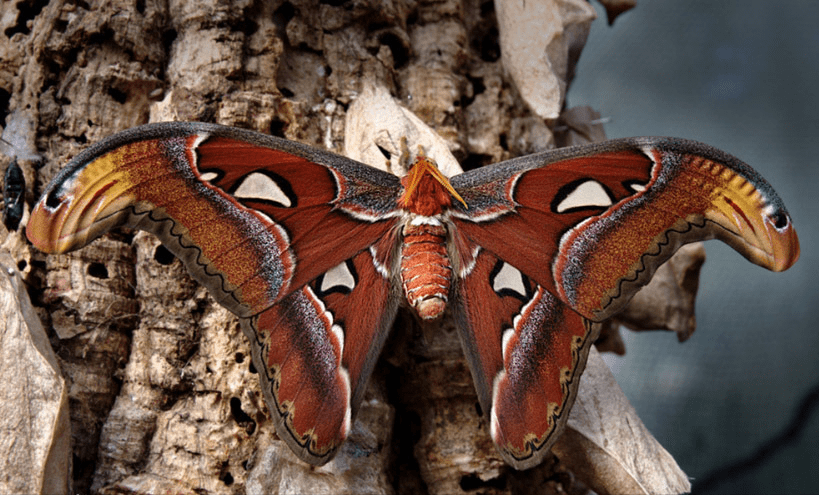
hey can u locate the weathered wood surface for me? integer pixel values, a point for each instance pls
(159, 383)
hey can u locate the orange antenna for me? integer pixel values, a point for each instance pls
(422, 166)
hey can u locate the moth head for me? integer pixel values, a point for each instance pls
(426, 190)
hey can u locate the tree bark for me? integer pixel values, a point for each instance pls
(162, 393)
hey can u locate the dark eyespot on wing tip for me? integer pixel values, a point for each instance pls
(53, 198)
(781, 219)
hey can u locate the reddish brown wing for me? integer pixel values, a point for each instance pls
(551, 242)
(315, 351)
(278, 232)
(252, 217)
(591, 224)
(526, 350)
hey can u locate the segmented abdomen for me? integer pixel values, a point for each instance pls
(425, 269)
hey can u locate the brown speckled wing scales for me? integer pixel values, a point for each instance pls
(244, 211)
(526, 350)
(591, 224)
(315, 351)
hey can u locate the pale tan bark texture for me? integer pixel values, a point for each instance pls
(160, 389)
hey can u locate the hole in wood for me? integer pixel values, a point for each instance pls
(98, 270)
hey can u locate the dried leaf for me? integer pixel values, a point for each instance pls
(540, 42)
(359, 468)
(608, 447)
(34, 419)
(616, 7)
(579, 125)
(668, 301)
(610, 339)
(376, 122)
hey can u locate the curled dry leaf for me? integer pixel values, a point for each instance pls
(540, 43)
(34, 419)
(668, 301)
(359, 468)
(376, 123)
(610, 339)
(579, 125)
(608, 447)
(616, 7)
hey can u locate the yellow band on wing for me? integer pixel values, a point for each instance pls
(740, 208)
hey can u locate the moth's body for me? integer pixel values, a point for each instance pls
(426, 269)
(314, 252)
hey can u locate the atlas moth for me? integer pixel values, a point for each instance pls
(315, 253)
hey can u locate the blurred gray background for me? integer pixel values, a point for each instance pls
(736, 404)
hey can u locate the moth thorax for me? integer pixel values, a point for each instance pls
(425, 268)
